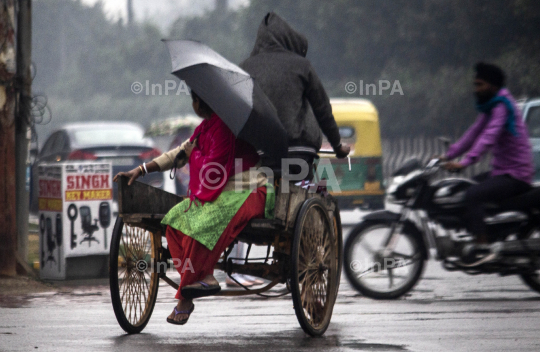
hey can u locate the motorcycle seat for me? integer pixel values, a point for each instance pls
(525, 201)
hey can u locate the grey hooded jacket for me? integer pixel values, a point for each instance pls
(278, 65)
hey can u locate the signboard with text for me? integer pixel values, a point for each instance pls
(75, 205)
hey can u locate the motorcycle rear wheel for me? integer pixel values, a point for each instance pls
(363, 252)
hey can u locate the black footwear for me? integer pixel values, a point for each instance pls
(200, 291)
(474, 255)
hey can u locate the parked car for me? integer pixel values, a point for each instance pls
(181, 127)
(121, 143)
(531, 115)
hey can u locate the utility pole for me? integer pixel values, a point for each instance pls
(8, 69)
(23, 117)
(129, 12)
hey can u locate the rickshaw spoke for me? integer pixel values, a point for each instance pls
(132, 297)
(123, 288)
(309, 276)
(126, 286)
(137, 300)
(326, 255)
(130, 252)
(302, 272)
(129, 282)
(130, 292)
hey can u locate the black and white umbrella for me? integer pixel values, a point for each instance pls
(233, 95)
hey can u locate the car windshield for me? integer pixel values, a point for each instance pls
(346, 133)
(109, 135)
(533, 121)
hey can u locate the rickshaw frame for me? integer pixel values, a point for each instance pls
(296, 215)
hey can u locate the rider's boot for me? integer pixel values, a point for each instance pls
(476, 254)
(473, 252)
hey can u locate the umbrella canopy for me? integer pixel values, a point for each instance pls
(233, 95)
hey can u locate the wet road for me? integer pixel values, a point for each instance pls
(445, 312)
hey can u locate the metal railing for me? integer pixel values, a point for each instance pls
(398, 150)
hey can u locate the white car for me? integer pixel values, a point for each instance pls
(531, 115)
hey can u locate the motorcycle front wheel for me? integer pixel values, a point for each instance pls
(382, 275)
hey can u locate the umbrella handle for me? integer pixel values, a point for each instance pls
(181, 155)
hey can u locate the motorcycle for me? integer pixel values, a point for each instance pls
(385, 253)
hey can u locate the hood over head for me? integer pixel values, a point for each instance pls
(276, 34)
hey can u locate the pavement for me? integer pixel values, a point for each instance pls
(446, 311)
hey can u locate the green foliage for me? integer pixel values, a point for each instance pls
(430, 46)
(86, 63)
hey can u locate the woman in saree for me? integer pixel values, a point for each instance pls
(223, 196)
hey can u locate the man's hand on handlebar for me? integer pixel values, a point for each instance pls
(440, 157)
(342, 151)
(452, 166)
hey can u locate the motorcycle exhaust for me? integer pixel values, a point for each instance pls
(514, 248)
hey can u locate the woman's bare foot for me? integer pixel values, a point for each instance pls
(209, 279)
(183, 305)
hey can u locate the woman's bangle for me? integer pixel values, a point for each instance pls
(142, 171)
(145, 169)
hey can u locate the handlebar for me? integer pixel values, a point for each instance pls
(438, 162)
(331, 152)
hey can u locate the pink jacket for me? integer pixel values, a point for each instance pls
(212, 161)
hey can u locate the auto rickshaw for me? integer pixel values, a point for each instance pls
(360, 182)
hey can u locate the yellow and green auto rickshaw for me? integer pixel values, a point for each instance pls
(361, 187)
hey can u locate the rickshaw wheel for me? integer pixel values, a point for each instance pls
(134, 285)
(338, 233)
(314, 268)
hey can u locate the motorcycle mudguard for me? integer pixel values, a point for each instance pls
(383, 215)
(388, 216)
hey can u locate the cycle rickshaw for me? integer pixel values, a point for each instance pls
(303, 240)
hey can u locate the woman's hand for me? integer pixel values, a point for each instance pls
(133, 175)
(189, 147)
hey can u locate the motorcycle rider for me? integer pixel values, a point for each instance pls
(500, 129)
